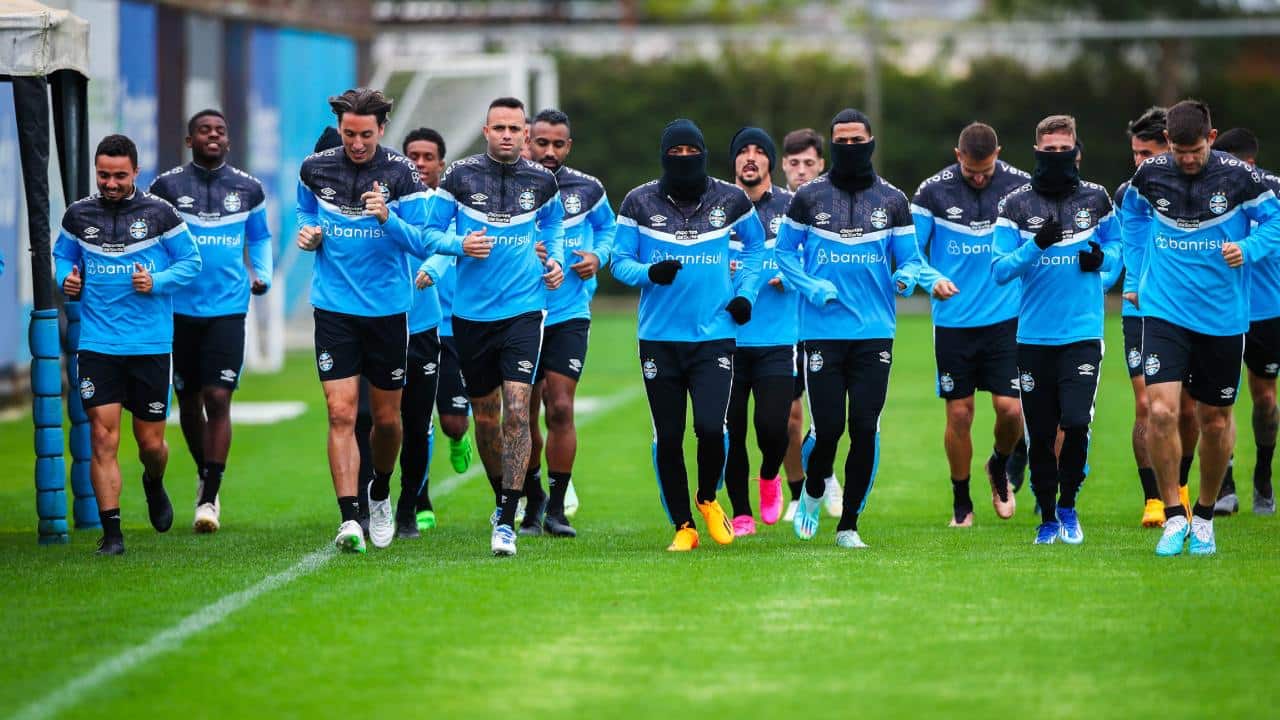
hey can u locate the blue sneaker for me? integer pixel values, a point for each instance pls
(1047, 533)
(1069, 529)
(807, 516)
(1202, 541)
(493, 519)
(1176, 530)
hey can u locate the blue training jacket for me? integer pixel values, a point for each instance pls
(589, 226)
(775, 317)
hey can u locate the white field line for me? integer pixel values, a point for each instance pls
(206, 617)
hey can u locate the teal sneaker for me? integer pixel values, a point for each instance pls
(460, 454)
(1202, 541)
(426, 520)
(1176, 530)
(1069, 530)
(807, 516)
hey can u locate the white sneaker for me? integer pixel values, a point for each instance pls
(493, 519)
(850, 539)
(350, 537)
(217, 499)
(206, 518)
(520, 510)
(833, 497)
(570, 501)
(790, 514)
(503, 541)
(382, 527)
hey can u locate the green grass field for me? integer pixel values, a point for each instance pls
(929, 622)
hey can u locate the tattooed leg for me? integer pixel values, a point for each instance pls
(515, 433)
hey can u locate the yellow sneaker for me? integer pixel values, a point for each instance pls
(686, 539)
(1185, 496)
(717, 522)
(1153, 513)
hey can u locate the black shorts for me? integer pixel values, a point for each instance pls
(497, 351)
(1262, 348)
(695, 365)
(350, 345)
(799, 365)
(451, 394)
(1208, 364)
(564, 348)
(138, 382)
(752, 363)
(977, 358)
(207, 352)
(1133, 345)
(424, 354)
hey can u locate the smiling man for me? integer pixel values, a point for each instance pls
(226, 210)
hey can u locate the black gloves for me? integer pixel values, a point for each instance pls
(1091, 259)
(1048, 234)
(740, 309)
(664, 273)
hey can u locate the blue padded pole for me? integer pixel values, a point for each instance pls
(46, 391)
(85, 505)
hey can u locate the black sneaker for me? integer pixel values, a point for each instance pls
(531, 525)
(406, 522)
(557, 525)
(159, 509)
(110, 545)
(1016, 468)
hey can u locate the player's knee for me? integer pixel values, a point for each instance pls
(1265, 402)
(342, 414)
(217, 402)
(1163, 416)
(861, 424)
(151, 444)
(959, 417)
(455, 426)
(104, 441)
(1214, 424)
(560, 413)
(707, 429)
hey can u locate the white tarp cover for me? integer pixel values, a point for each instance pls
(36, 40)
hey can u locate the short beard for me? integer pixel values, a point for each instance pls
(751, 183)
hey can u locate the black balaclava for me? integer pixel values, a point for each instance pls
(1056, 173)
(851, 168)
(752, 136)
(684, 177)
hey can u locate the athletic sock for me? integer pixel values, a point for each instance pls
(495, 482)
(961, 503)
(1048, 506)
(507, 502)
(1184, 470)
(380, 489)
(110, 520)
(1228, 480)
(212, 474)
(348, 507)
(1173, 511)
(1147, 476)
(796, 487)
(1262, 470)
(815, 486)
(1204, 512)
(998, 463)
(558, 482)
(533, 486)
(848, 521)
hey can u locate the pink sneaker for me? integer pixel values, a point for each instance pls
(744, 525)
(770, 500)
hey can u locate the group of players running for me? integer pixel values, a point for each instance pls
(469, 288)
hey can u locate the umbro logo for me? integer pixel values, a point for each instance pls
(1035, 221)
(186, 201)
(725, 363)
(954, 213)
(1163, 204)
(658, 220)
(822, 218)
(575, 364)
(91, 232)
(525, 366)
(156, 407)
(397, 373)
(1087, 369)
(327, 193)
(228, 375)
(886, 357)
(459, 401)
(1228, 393)
(429, 369)
(479, 198)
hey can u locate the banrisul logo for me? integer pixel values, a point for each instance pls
(1218, 203)
(526, 200)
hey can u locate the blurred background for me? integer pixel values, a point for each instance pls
(921, 69)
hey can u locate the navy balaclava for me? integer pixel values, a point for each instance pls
(684, 177)
(1056, 173)
(851, 168)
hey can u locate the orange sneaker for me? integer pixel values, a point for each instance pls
(717, 522)
(686, 539)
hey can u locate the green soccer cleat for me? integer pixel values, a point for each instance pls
(426, 520)
(460, 454)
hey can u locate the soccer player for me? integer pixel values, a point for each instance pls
(975, 318)
(124, 254)
(764, 363)
(801, 162)
(1186, 231)
(589, 228)
(847, 244)
(225, 210)
(673, 243)
(361, 209)
(1146, 139)
(1261, 348)
(502, 206)
(1059, 234)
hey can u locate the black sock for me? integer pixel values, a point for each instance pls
(533, 486)
(110, 520)
(381, 488)
(960, 499)
(1184, 470)
(797, 487)
(559, 485)
(212, 476)
(1228, 480)
(815, 487)
(1204, 512)
(1147, 476)
(507, 502)
(997, 466)
(1173, 511)
(1048, 506)
(1262, 470)
(348, 507)
(495, 482)
(848, 521)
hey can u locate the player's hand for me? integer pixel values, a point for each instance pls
(1232, 253)
(944, 289)
(73, 283)
(258, 288)
(375, 204)
(554, 275)
(740, 309)
(1048, 234)
(476, 244)
(309, 238)
(588, 266)
(541, 249)
(423, 280)
(776, 282)
(142, 281)
(1132, 297)
(664, 273)
(1091, 259)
